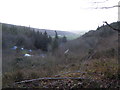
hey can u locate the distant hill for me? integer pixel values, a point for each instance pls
(26, 36)
(101, 39)
(50, 32)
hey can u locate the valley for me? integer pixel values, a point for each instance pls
(60, 59)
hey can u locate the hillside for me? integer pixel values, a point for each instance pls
(13, 34)
(50, 32)
(90, 61)
(101, 39)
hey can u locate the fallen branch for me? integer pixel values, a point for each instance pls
(50, 78)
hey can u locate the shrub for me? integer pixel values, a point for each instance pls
(18, 76)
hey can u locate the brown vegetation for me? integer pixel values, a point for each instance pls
(92, 57)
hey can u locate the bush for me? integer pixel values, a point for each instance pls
(18, 76)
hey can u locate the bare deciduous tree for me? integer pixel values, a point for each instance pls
(118, 30)
(104, 7)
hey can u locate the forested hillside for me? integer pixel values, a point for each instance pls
(90, 61)
(30, 38)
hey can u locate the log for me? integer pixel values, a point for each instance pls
(50, 78)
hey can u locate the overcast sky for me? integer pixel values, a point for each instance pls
(68, 15)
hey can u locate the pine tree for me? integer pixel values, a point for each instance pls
(56, 35)
(13, 29)
(45, 41)
(64, 39)
(50, 39)
(55, 42)
(37, 40)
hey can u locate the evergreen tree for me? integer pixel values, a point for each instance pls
(56, 35)
(50, 39)
(13, 29)
(20, 41)
(45, 41)
(37, 40)
(41, 41)
(64, 39)
(55, 42)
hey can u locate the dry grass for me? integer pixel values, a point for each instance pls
(23, 68)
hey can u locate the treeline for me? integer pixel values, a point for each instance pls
(29, 38)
